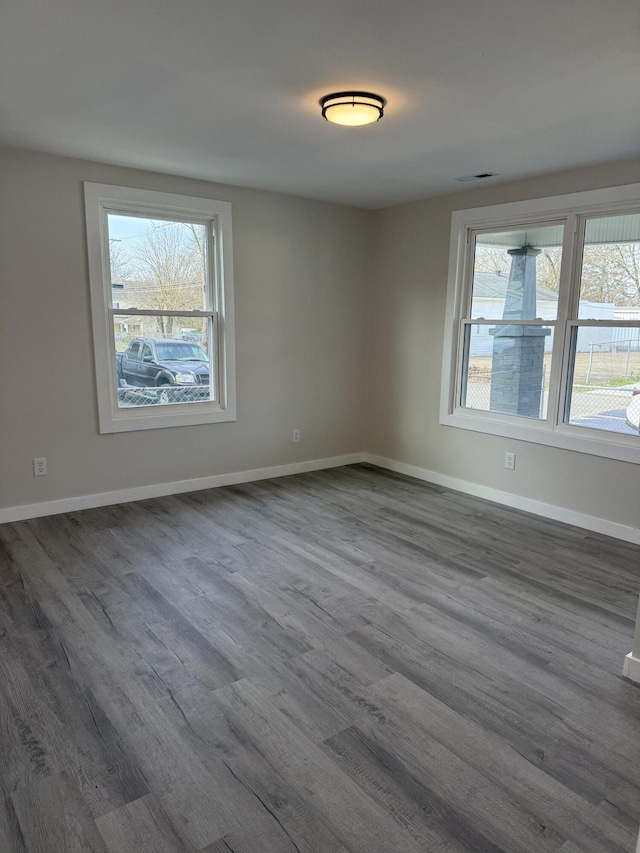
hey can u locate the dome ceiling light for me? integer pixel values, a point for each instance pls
(353, 108)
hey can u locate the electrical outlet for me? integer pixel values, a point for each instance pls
(510, 461)
(40, 466)
(296, 436)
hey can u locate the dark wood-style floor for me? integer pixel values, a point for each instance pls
(343, 662)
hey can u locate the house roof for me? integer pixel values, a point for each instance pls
(493, 285)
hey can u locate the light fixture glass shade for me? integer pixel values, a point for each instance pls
(353, 108)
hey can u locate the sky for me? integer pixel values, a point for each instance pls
(127, 228)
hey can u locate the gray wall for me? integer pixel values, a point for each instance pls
(299, 290)
(406, 322)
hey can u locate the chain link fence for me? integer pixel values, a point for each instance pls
(130, 396)
(603, 407)
(606, 385)
(610, 360)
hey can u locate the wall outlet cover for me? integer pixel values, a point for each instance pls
(40, 466)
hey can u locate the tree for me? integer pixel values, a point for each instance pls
(548, 267)
(492, 259)
(495, 259)
(168, 265)
(119, 261)
(611, 273)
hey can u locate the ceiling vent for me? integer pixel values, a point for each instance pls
(479, 177)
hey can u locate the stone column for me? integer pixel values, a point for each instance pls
(518, 351)
(520, 301)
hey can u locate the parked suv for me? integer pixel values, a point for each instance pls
(169, 371)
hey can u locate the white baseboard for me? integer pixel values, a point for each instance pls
(557, 513)
(547, 510)
(139, 493)
(631, 668)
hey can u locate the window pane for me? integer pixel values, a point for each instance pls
(610, 282)
(606, 372)
(158, 264)
(172, 365)
(516, 273)
(506, 369)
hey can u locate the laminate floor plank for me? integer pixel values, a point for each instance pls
(302, 618)
(335, 662)
(547, 732)
(535, 653)
(492, 809)
(182, 784)
(537, 729)
(498, 601)
(523, 582)
(215, 737)
(554, 802)
(58, 720)
(434, 823)
(53, 816)
(350, 812)
(492, 660)
(140, 827)
(67, 731)
(626, 799)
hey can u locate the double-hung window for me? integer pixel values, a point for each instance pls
(161, 279)
(543, 322)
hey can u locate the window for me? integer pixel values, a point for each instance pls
(543, 322)
(164, 349)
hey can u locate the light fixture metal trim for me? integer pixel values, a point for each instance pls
(479, 176)
(353, 108)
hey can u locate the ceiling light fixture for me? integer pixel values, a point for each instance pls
(352, 108)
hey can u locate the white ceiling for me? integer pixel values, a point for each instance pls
(227, 90)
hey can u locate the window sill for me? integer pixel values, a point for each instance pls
(138, 419)
(625, 448)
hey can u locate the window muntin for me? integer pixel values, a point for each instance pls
(168, 259)
(561, 422)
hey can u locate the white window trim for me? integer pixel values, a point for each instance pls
(103, 198)
(552, 432)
